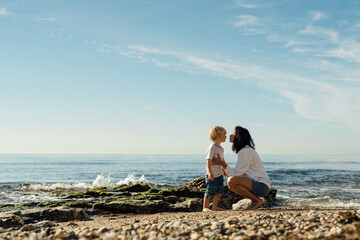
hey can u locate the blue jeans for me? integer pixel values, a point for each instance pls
(214, 187)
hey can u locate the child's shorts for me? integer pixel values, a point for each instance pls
(214, 187)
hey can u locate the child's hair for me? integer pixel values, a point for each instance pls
(215, 132)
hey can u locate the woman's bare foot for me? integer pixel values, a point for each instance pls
(255, 204)
(207, 210)
(218, 209)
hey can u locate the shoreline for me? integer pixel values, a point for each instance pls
(275, 223)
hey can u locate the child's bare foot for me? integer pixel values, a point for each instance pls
(255, 204)
(218, 209)
(207, 210)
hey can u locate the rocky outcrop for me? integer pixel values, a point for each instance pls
(149, 206)
(137, 198)
(59, 214)
(132, 206)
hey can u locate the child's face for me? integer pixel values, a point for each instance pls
(222, 137)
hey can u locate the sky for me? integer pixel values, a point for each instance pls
(152, 77)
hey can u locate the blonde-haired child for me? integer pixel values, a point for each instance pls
(215, 173)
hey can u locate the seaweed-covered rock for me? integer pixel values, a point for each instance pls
(271, 197)
(138, 187)
(183, 191)
(133, 206)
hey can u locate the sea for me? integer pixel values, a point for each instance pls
(302, 181)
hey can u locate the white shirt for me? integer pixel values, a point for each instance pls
(212, 151)
(249, 164)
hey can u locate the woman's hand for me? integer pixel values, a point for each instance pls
(217, 160)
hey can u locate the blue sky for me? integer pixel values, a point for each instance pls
(155, 76)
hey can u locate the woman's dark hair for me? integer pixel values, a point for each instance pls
(241, 139)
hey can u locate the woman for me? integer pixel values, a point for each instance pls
(249, 177)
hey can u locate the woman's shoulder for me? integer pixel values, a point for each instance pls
(247, 150)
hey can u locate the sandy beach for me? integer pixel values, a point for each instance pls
(230, 224)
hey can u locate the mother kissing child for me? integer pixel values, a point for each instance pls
(249, 177)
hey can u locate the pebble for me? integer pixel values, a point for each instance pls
(102, 230)
(61, 234)
(271, 225)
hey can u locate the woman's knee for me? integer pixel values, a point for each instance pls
(231, 182)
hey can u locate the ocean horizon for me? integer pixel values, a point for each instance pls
(300, 180)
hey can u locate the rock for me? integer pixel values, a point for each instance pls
(271, 197)
(171, 199)
(190, 205)
(102, 230)
(133, 206)
(183, 191)
(12, 218)
(348, 217)
(198, 183)
(229, 198)
(59, 214)
(242, 204)
(45, 224)
(138, 187)
(28, 227)
(61, 234)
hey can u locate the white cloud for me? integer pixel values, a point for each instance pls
(246, 4)
(348, 50)
(104, 51)
(246, 20)
(328, 34)
(4, 12)
(290, 43)
(49, 19)
(317, 15)
(310, 98)
(299, 50)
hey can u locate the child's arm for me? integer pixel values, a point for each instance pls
(209, 170)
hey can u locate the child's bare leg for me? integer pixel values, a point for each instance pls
(215, 204)
(206, 204)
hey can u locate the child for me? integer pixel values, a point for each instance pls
(215, 173)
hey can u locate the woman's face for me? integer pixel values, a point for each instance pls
(232, 136)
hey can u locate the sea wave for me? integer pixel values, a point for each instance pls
(101, 180)
(322, 202)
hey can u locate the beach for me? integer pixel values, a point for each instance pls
(230, 224)
(101, 197)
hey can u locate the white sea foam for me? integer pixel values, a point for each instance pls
(131, 179)
(101, 180)
(55, 186)
(325, 201)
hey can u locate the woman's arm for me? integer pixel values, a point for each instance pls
(219, 161)
(242, 165)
